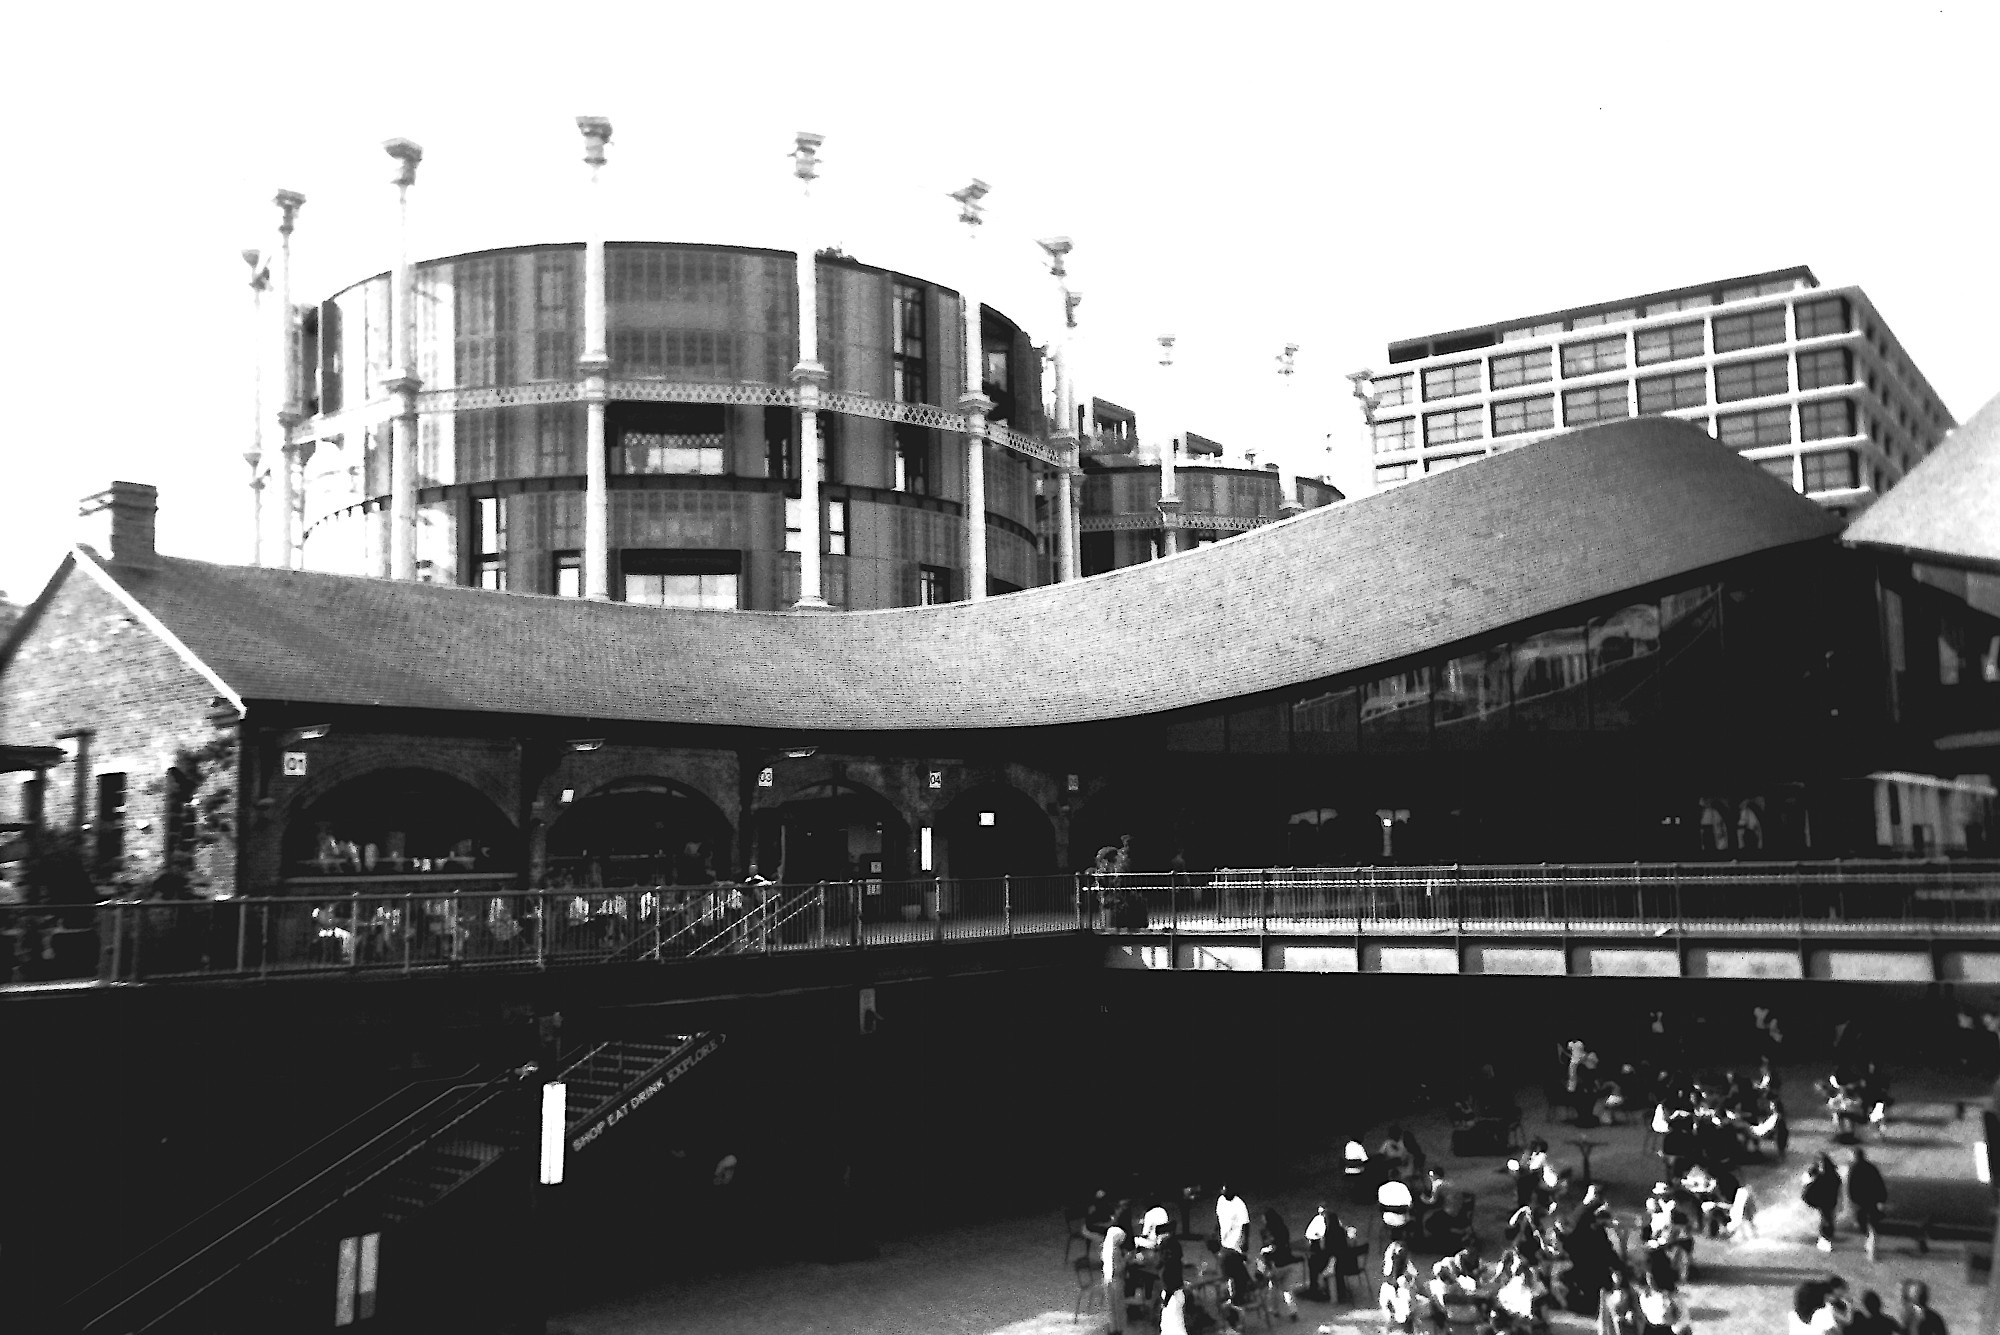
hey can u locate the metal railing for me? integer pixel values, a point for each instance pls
(479, 920)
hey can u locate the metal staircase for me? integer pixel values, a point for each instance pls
(615, 1078)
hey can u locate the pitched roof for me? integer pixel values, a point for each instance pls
(1949, 505)
(1514, 536)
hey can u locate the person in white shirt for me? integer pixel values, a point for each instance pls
(1114, 1275)
(1397, 1207)
(1232, 1221)
(1154, 1228)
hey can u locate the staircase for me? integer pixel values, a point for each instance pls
(614, 1078)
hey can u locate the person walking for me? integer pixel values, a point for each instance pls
(1114, 1272)
(1822, 1193)
(1918, 1318)
(1232, 1221)
(1868, 1194)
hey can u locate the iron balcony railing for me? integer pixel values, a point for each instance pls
(440, 921)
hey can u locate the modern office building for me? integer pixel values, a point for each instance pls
(1807, 381)
(1122, 521)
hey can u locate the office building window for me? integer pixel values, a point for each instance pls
(1743, 431)
(1393, 391)
(1751, 380)
(681, 578)
(1769, 287)
(913, 459)
(1601, 403)
(1398, 433)
(489, 562)
(1833, 470)
(110, 819)
(702, 353)
(1444, 382)
(1830, 315)
(1522, 368)
(906, 344)
(1779, 468)
(1675, 342)
(1392, 472)
(568, 574)
(1604, 317)
(1751, 329)
(1661, 393)
(1828, 419)
(836, 528)
(1829, 366)
(933, 586)
(1599, 354)
(1518, 415)
(1528, 331)
(1460, 424)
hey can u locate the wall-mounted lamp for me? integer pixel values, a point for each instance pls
(312, 732)
(585, 743)
(801, 752)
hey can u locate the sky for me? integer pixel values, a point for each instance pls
(1240, 177)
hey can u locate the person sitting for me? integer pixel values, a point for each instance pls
(1286, 1273)
(1097, 1215)
(1398, 1209)
(1455, 1274)
(1395, 1155)
(1519, 1292)
(1318, 1254)
(1662, 1311)
(1398, 1297)
(1154, 1228)
(1669, 1234)
(1449, 1224)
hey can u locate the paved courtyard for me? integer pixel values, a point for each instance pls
(1005, 1276)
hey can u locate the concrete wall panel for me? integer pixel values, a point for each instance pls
(1232, 959)
(1872, 966)
(1545, 961)
(1319, 959)
(1411, 959)
(1740, 962)
(1626, 962)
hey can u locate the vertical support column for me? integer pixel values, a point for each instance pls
(595, 365)
(260, 278)
(402, 383)
(809, 377)
(1289, 503)
(1170, 498)
(1066, 560)
(290, 409)
(1064, 437)
(974, 404)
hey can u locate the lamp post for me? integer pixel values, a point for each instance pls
(595, 366)
(290, 411)
(1066, 443)
(1289, 503)
(1170, 500)
(260, 278)
(401, 383)
(810, 378)
(974, 403)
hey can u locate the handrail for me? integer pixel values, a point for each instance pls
(277, 1230)
(103, 1281)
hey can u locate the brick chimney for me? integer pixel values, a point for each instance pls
(118, 524)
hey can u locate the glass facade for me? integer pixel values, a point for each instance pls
(1445, 382)
(1599, 403)
(1671, 344)
(1686, 389)
(1599, 354)
(1751, 380)
(1514, 416)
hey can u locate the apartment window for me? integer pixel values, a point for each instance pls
(1385, 473)
(1598, 354)
(1830, 315)
(1828, 366)
(1515, 416)
(1460, 424)
(555, 305)
(933, 586)
(1604, 317)
(1829, 419)
(1751, 380)
(702, 353)
(555, 441)
(670, 438)
(1744, 431)
(1662, 393)
(1834, 470)
(1397, 434)
(906, 344)
(684, 578)
(1444, 382)
(489, 561)
(780, 460)
(1779, 468)
(110, 819)
(1751, 329)
(1392, 390)
(661, 275)
(913, 459)
(829, 446)
(795, 524)
(1522, 368)
(1673, 343)
(1695, 302)
(1600, 403)
(568, 574)
(480, 300)
(836, 528)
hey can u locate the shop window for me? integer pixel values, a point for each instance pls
(1551, 672)
(568, 574)
(933, 586)
(1395, 711)
(682, 578)
(489, 561)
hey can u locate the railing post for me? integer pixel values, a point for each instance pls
(937, 910)
(1006, 904)
(138, 941)
(409, 923)
(242, 939)
(117, 939)
(1264, 902)
(1076, 882)
(819, 914)
(854, 915)
(264, 951)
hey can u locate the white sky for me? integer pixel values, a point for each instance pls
(1239, 176)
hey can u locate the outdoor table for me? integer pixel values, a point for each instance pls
(1584, 1145)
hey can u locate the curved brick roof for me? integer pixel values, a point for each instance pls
(1949, 505)
(1517, 535)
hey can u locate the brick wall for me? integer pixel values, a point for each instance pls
(89, 666)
